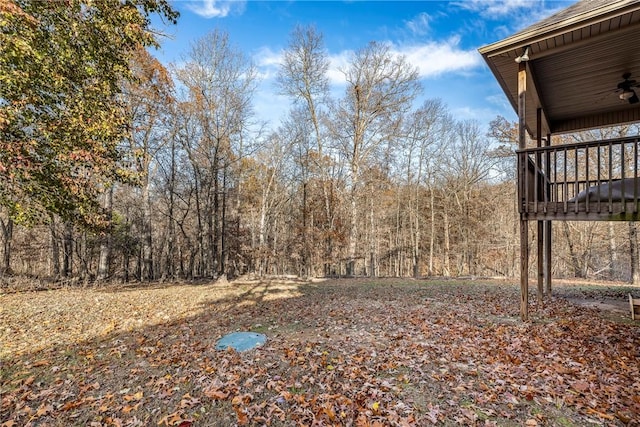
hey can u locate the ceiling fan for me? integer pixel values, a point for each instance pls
(626, 87)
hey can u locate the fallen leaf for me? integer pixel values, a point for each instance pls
(188, 402)
(137, 396)
(580, 386)
(44, 409)
(216, 394)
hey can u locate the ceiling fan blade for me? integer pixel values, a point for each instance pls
(634, 99)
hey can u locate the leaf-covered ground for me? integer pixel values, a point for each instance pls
(348, 352)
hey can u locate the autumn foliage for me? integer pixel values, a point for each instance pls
(361, 353)
(62, 64)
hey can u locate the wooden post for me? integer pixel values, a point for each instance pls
(524, 225)
(540, 236)
(547, 230)
(524, 270)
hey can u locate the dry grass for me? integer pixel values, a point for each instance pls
(31, 321)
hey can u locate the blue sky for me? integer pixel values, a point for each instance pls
(440, 38)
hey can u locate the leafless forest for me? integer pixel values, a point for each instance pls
(366, 182)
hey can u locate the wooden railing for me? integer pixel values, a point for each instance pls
(551, 178)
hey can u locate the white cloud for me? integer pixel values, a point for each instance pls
(269, 106)
(496, 8)
(499, 101)
(469, 113)
(267, 57)
(267, 62)
(432, 59)
(437, 58)
(217, 8)
(420, 24)
(520, 13)
(339, 63)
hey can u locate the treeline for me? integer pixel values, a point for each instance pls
(365, 183)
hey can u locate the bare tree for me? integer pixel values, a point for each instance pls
(467, 164)
(303, 77)
(303, 74)
(381, 87)
(424, 137)
(220, 82)
(149, 103)
(269, 175)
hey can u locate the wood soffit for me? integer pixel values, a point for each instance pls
(577, 58)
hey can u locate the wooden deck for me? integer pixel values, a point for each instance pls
(552, 178)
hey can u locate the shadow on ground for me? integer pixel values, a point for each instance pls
(342, 352)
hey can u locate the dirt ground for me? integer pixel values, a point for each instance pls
(612, 305)
(610, 298)
(353, 352)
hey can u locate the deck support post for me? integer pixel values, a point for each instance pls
(547, 258)
(547, 229)
(524, 224)
(540, 236)
(524, 270)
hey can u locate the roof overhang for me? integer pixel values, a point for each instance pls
(576, 59)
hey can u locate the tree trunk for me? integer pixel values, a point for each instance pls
(432, 238)
(105, 243)
(262, 250)
(305, 231)
(126, 260)
(372, 243)
(238, 268)
(224, 252)
(416, 237)
(67, 259)
(147, 248)
(586, 254)
(353, 222)
(83, 255)
(445, 264)
(196, 266)
(573, 256)
(212, 229)
(169, 267)
(7, 238)
(215, 219)
(612, 252)
(55, 249)
(633, 253)
(394, 259)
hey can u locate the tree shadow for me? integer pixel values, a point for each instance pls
(333, 350)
